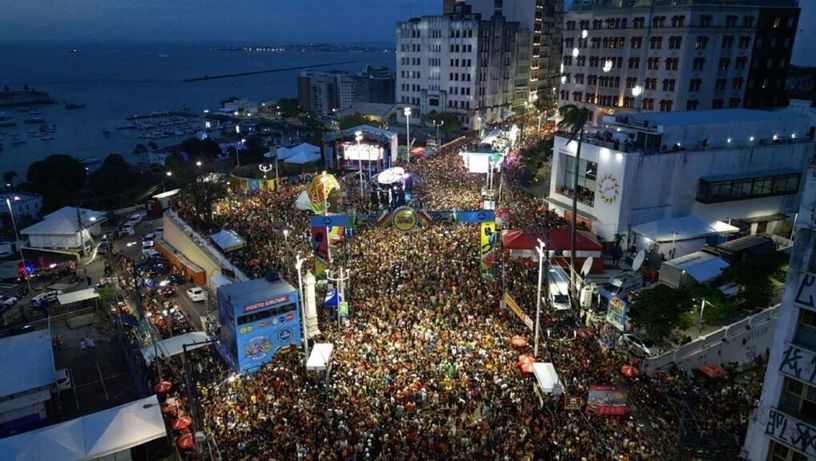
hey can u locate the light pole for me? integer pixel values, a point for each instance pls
(438, 125)
(325, 213)
(299, 266)
(358, 136)
(169, 174)
(636, 92)
(702, 309)
(341, 279)
(540, 251)
(407, 113)
(17, 241)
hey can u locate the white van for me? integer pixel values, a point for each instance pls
(558, 288)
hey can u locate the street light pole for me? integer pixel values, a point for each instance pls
(341, 279)
(407, 113)
(438, 125)
(358, 136)
(540, 251)
(17, 242)
(299, 266)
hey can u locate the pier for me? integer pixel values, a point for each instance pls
(269, 71)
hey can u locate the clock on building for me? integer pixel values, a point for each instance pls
(609, 189)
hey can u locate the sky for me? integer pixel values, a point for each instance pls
(260, 21)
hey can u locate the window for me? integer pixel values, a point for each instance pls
(698, 63)
(798, 399)
(695, 84)
(675, 42)
(671, 63)
(748, 21)
(731, 20)
(650, 83)
(721, 84)
(779, 452)
(648, 104)
(678, 21)
(717, 104)
(733, 103)
(656, 43)
(777, 22)
(744, 42)
(736, 84)
(724, 63)
(740, 63)
(567, 60)
(668, 84)
(806, 327)
(636, 42)
(748, 188)
(653, 63)
(634, 63)
(701, 42)
(705, 20)
(692, 104)
(580, 61)
(639, 22)
(665, 105)
(587, 172)
(631, 82)
(728, 42)
(659, 21)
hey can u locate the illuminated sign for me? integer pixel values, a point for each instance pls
(365, 152)
(263, 304)
(404, 218)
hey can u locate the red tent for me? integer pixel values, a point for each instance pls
(519, 240)
(629, 371)
(182, 422)
(525, 362)
(185, 442)
(523, 244)
(712, 371)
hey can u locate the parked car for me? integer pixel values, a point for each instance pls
(8, 301)
(129, 228)
(147, 245)
(637, 346)
(135, 218)
(63, 379)
(46, 298)
(197, 294)
(150, 252)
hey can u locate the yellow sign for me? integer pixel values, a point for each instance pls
(511, 303)
(488, 240)
(404, 218)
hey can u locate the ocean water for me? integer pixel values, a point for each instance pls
(118, 80)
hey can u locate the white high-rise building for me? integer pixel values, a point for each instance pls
(463, 64)
(666, 55)
(783, 425)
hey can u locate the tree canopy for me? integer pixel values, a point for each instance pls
(658, 311)
(450, 121)
(57, 178)
(350, 121)
(197, 149)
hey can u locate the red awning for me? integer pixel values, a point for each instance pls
(525, 362)
(162, 387)
(712, 370)
(519, 240)
(556, 239)
(182, 422)
(518, 341)
(629, 371)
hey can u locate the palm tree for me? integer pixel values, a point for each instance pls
(573, 120)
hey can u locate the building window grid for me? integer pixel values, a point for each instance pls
(747, 188)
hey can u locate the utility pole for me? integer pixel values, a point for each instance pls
(344, 276)
(299, 266)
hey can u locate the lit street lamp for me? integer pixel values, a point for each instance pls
(540, 251)
(299, 266)
(407, 113)
(17, 241)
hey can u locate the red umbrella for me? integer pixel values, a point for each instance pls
(712, 370)
(525, 362)
(162, 387)
(182, 422)
(185, 442)
(168, 409)
(518, 341)
(629, 371)
(585, 333)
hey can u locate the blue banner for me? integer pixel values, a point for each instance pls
(332, 220)
(477, 216)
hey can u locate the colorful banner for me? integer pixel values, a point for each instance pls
(343, 310)
(616, 315)
(606, 400)
(338, 227)
(475, 216)
(324, 189)
(513, 305)
(488, 243)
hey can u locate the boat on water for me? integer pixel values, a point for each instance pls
(34, 120)
(47, 137)
(17, 140)
(74, 105)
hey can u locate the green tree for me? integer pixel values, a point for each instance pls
(197, 149)
(658, 311)
(574, 120)
(56, 178)
(350, 121)
(756, 275)
(9, 176)
(717, 306)
(449, 120)
(289, 107)
(113, 181)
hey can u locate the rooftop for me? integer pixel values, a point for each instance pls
(27, 361)
(254, 291)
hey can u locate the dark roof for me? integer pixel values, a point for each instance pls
(254, 291)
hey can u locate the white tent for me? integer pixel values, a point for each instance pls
(93, 436)
(391, 175)
(228, 240)
(285, 153)
(320, 357)
(547, 378)
(303, 157)
(682, 228)
(77, 296)
(175, 345)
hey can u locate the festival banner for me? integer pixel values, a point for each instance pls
(327, 232)
(606, 400)
(513, 305)
(616, 315)
(474, 216)
(488, 242)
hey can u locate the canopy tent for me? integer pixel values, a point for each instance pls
(697, 267)
(481, 162)
(320, 357)
(175, 345)
(303, 157)
(93, 436)
(391, 175)
(289, 152)
(547, 378)
(522, 244)
(77, 296)
(681, 228)
(228, 240)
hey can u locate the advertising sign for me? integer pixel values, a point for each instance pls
(268, 303)
(404, 218)
(364, 152)
(606, 400)
(343, 310)
(488, 242)
(513, 305)
(474, 216)
(616, 315)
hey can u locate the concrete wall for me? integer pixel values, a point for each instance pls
(739, 342)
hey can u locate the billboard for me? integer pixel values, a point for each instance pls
(364, 152)
(487, 241)
(616, 315)
(606, 400)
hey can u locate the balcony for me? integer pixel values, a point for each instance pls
(585, 196)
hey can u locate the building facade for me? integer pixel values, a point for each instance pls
(325, 93)
(544, 20)
(783, 424)
(463, 64)
(735, 166)
(770, 61)
(665, 55)
(22, 204)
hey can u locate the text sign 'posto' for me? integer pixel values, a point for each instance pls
(404, 218)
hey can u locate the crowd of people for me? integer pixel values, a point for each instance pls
(424, 368)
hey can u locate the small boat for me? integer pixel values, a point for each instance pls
(47, 137)
(18, 140)
(74, 105)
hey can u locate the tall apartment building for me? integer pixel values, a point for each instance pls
(463, 64)
(544, 19)
(325, 93)
(783, 425)
(670, 55)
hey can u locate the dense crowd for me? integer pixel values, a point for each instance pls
(424, 369)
